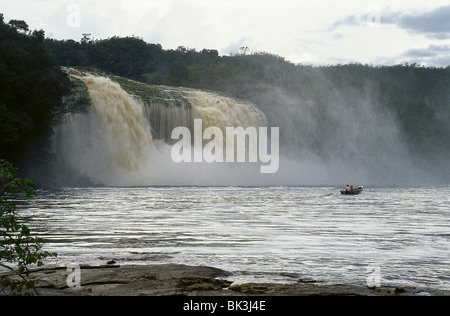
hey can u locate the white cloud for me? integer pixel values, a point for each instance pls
(431, 55)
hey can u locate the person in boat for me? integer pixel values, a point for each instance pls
(351, 188)
(347, 188)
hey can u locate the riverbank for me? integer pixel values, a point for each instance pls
(183, 280)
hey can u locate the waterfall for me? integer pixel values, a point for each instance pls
(164, 116)
(222, 112)
(125, 136)
(121, 118)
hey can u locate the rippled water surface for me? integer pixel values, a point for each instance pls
(261, 234)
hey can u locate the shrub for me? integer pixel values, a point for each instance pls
(18, 248)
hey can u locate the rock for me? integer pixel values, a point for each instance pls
(306, 281)
(238, 283)
(134, 280)
(173, 279)
(399, 290)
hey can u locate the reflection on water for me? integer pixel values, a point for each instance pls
(264, 233)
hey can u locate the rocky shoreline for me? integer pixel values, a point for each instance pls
(183, 280)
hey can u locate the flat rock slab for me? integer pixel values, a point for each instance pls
(174, 279)
(170, 279)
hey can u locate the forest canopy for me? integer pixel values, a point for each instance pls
(31, 87)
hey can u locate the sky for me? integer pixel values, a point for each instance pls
(316, 32)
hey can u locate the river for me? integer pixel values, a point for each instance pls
(392, 235)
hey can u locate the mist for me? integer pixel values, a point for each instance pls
(344, 135)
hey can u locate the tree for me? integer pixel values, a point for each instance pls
(86, 38)
(32, 86)
(19, 25)
(18, 248)
(39, 36)
(244, 50)
(178, 73)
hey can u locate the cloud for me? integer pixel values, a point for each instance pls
(433, 55)
(433, 24)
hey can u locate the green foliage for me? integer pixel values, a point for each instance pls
(31, 88)
(178, 74)
(18, 248)
(128, 57)
(19, 24)
(149, 92)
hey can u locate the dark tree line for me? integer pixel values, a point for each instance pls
(31, 87)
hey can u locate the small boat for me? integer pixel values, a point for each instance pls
(356, 191)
